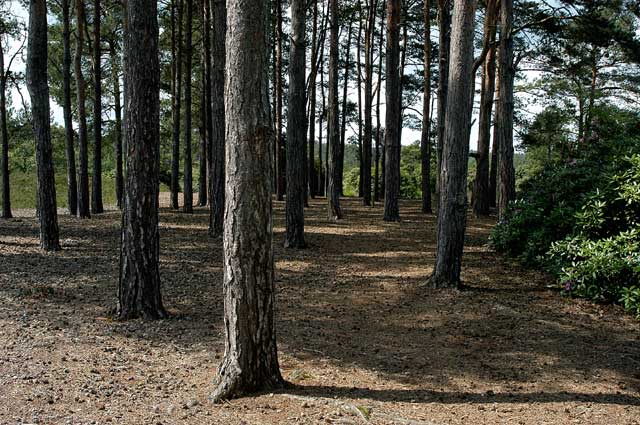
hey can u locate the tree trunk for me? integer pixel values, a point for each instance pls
(493, 172)
(250, 361)
(345, 93)
(206, 142)
(359, 82)
(187, 191)
(280, 149)
(507, 180)
(452, 209)
(333, 127)
(117, 142)
(392, 139)
(177, 105)
(296, 130)
(217, 154)
(444, 25)
(322, 174)
(4, 134)
(37, 57)
(376, 185)
(425, 139)
(313, 178)
(83, 179)
(96, 189)
(482, 198)
(368, 103)
(139, 286)
(69, 142)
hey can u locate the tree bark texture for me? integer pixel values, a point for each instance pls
(177, 106)
(296, 129)
(38, 86)
(69, 139)
(117, 140)
(280, 149)
(452, 209)
(250, 361)
(444, 25)
(217, 151)
(392, 119)
(4, 134)
(187, 205)
(96, 186)
(425, 139)
(368, 102)
(139, 286)
(333, 126)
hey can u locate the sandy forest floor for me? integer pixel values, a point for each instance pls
(361, 339)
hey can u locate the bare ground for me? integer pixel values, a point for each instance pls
(361, 338)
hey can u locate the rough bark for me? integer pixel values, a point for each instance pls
(359, 83)
(84, 202)
(139, 285)
(217, 152)
(425, 139)
(333, 126)
(444, 25)
(452, 209)
(280, 149)
(506, 171)
(392, 119)
(69, 142)
(250, 361)
(117, 140)
(96, 186)
(37, 57)
(296, 130)
(207, 141)
(379, 142)
(481, 198)
(322, 174)
(177, 106)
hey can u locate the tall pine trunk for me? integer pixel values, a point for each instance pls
(4, 134)
(187, 206)
(177, 106)
(495, 146)
(217, 151)
(139, 286)
(313, 178)
(377, 190)
(206, 142)
(359, 83)
(482, 198)
(368, 102)
(452, 208)
(444, 27)
(296, 130)
(504, 124)
(280, 149)
(333, 127)
(117, 140)
(250, 361)
(96, 187)
(425, 139)
(392, 119)
(69, 139)
(84, 203)
(37, 57)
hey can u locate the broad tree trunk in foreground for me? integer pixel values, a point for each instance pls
(425, 140)
(444, 27)
(481, 198)
(250, 360)
(392, 119)
(38, 86)
(296, 133)
(139, 286)
(452, 209)
(69, 140)
(84, 203)
(504, 124)
(177, 105)
(96, 186)
(217, 151)
(187, 206)
(333, 126)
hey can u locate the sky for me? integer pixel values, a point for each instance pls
(409, 136)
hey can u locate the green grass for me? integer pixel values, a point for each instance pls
(23, 190)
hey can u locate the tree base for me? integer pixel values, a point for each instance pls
(231, 385)
(441, 282)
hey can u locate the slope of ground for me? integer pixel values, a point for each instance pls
(361, 339)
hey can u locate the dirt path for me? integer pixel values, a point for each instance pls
(359, 337)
